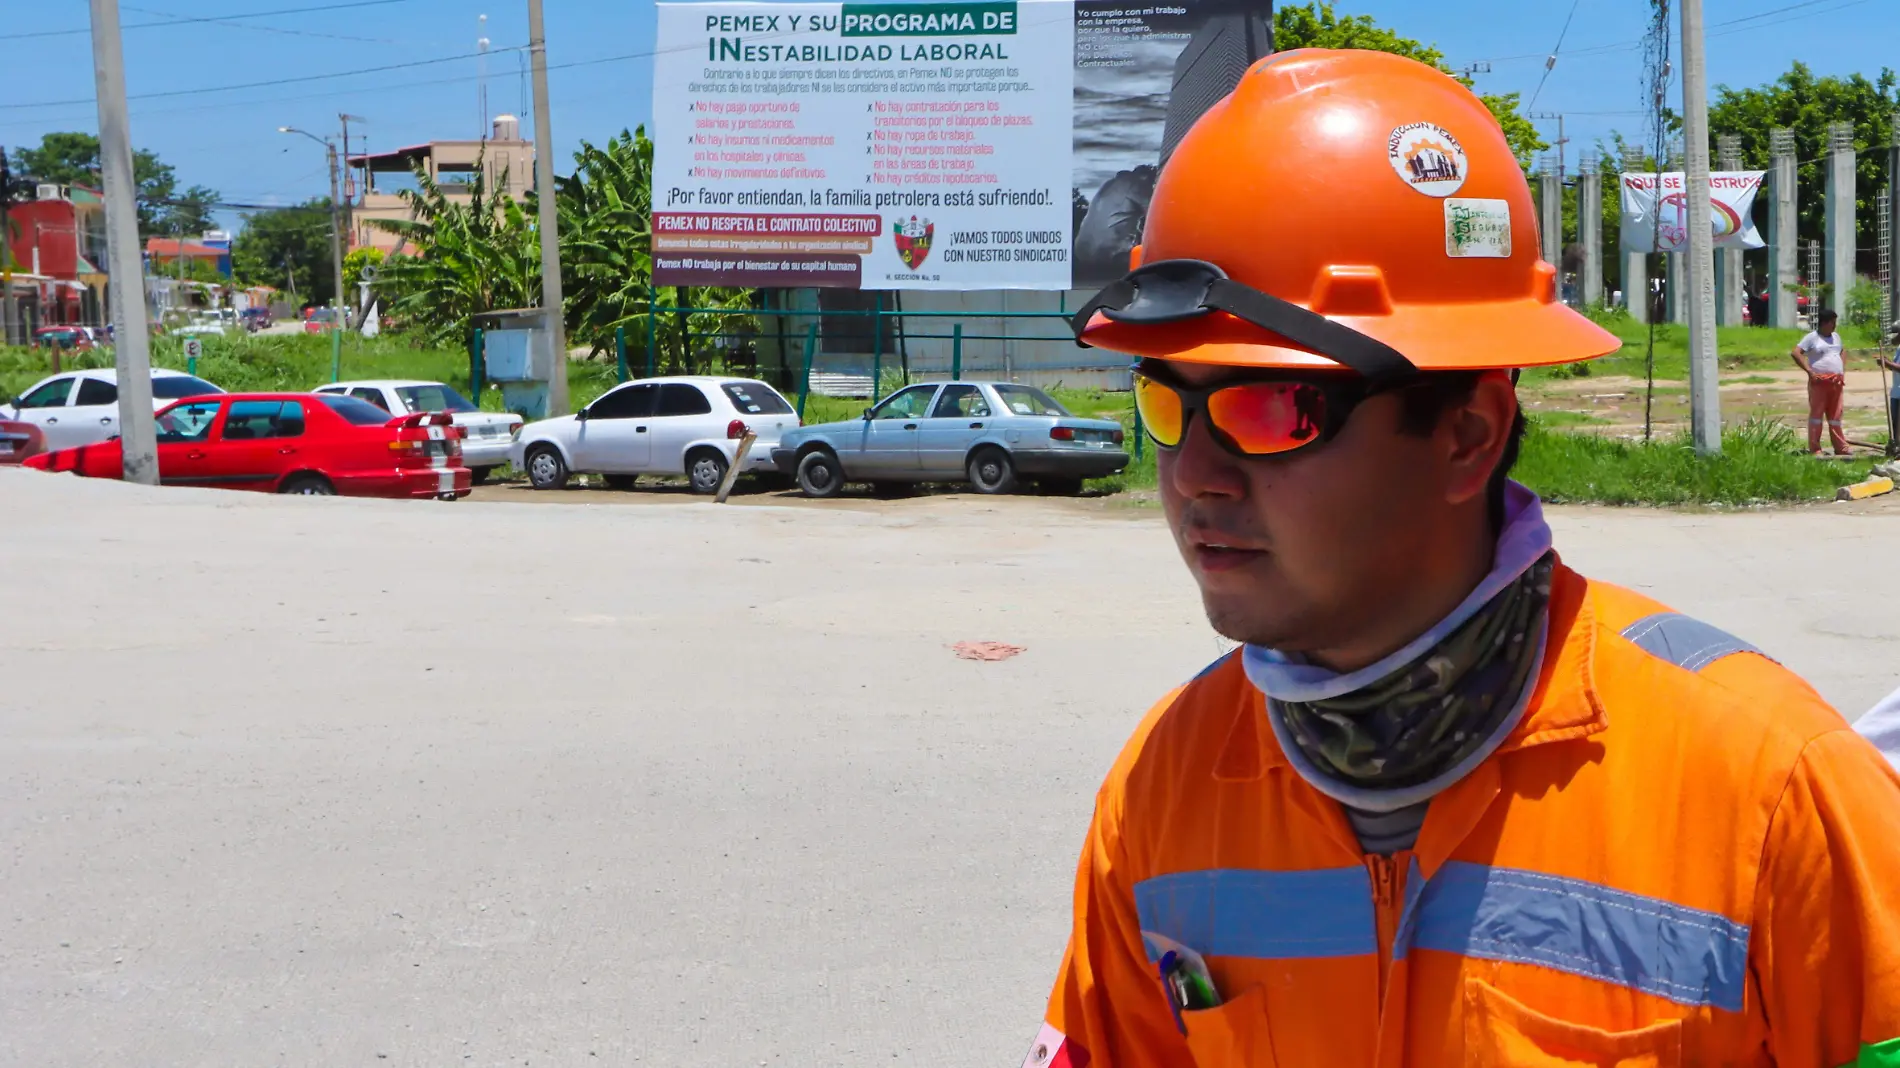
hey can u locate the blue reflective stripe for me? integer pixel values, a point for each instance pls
(1273, 915)
(1408, 917)
(1686, 955)
(1687, 643)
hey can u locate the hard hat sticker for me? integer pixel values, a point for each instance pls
(1428, 158)
(1477, 228)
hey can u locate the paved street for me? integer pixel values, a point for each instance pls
(319, 781)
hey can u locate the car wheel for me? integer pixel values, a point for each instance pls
(622, 482)
(1060, 487)
(705, 469)
(546, 469)
(990, 471)
(308, 486)
(479, 475)
(819, 474)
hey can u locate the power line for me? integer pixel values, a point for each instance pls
(233, 23)
(1551, 63)
(208, 18)
(260, 85)
(1729, 26)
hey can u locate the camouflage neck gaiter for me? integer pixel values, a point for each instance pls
(1422, 719)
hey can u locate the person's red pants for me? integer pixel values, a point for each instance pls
(1824, 402)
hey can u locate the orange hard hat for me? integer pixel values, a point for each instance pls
(1346, 208)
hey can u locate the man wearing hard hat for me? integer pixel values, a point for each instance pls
(1451, 802)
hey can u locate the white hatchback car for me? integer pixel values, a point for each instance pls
(82, 407)
(688, 426)
(491, 435)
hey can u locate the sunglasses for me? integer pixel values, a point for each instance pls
(1250, 418)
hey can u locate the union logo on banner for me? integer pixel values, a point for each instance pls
(913, 240)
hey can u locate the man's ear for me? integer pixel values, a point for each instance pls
(1475, 435)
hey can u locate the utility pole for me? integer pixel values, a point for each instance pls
(1561, 139)
(349, 197)
(8, 310)
(550, 237)
(1705, 398)
(131, 348)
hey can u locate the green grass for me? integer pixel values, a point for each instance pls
(1557, 419)
(1761, 462)
(1738, 347)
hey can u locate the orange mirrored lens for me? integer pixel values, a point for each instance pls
(1160, 410)
(1263, 418)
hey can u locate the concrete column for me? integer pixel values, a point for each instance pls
(1590, 229)
(1635, 264)
(1728, 261)
(1784, 246)
(1550, 214)
(1837, 254)
(1893, 225)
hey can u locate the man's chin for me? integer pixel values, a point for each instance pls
(1244, 620)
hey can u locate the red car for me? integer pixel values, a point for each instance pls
(290, 443)
(318, 320)
(18, 441)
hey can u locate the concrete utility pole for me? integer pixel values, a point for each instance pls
(1893, 221)
(550, 235)
(336, 253)
(9, 312)
(1590, 228)
(1784, 244)
(1705, 398)
(1840, 212)
(131, 348)
(1728, 261)
(1561, 139)
(1635, 264)
(1550, 213)
(349, 200)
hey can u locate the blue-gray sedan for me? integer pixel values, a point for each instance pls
(992, 435)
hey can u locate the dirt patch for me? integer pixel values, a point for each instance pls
(1613, 404)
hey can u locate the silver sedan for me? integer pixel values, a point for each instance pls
(992, 435)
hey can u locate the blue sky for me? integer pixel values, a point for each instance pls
(228, 140)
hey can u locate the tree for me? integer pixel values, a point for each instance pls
(1806, 104)
(288, 248)
(1318, 25)
(353, 263)
(72, 158)
(469, 257)
(606, 207)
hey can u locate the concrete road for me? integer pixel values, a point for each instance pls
(328, 782)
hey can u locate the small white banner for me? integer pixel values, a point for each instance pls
(1731, 204)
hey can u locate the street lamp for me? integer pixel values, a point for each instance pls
(336, 254)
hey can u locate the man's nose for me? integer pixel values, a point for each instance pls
(1199, 467)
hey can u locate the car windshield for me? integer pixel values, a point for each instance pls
(173, 387)
(434, 397)
(322, 315)
(359, 413)
(1028, 400)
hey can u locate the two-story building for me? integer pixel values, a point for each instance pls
(59, 239)
(376, 180)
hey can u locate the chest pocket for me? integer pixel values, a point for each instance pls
(1501, 1031)
(1232, 1035)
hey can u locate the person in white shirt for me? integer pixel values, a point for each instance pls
(1819, 355)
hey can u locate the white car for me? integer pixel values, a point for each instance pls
(688, 426)
(491, 435)
(82, 407)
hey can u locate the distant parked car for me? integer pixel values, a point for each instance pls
(490, 435)
(688, 426)
(81, 407)
(318, 320)
(290, 443)
(255, 319)
(70, 338)
(203, 324)
(989, 434)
